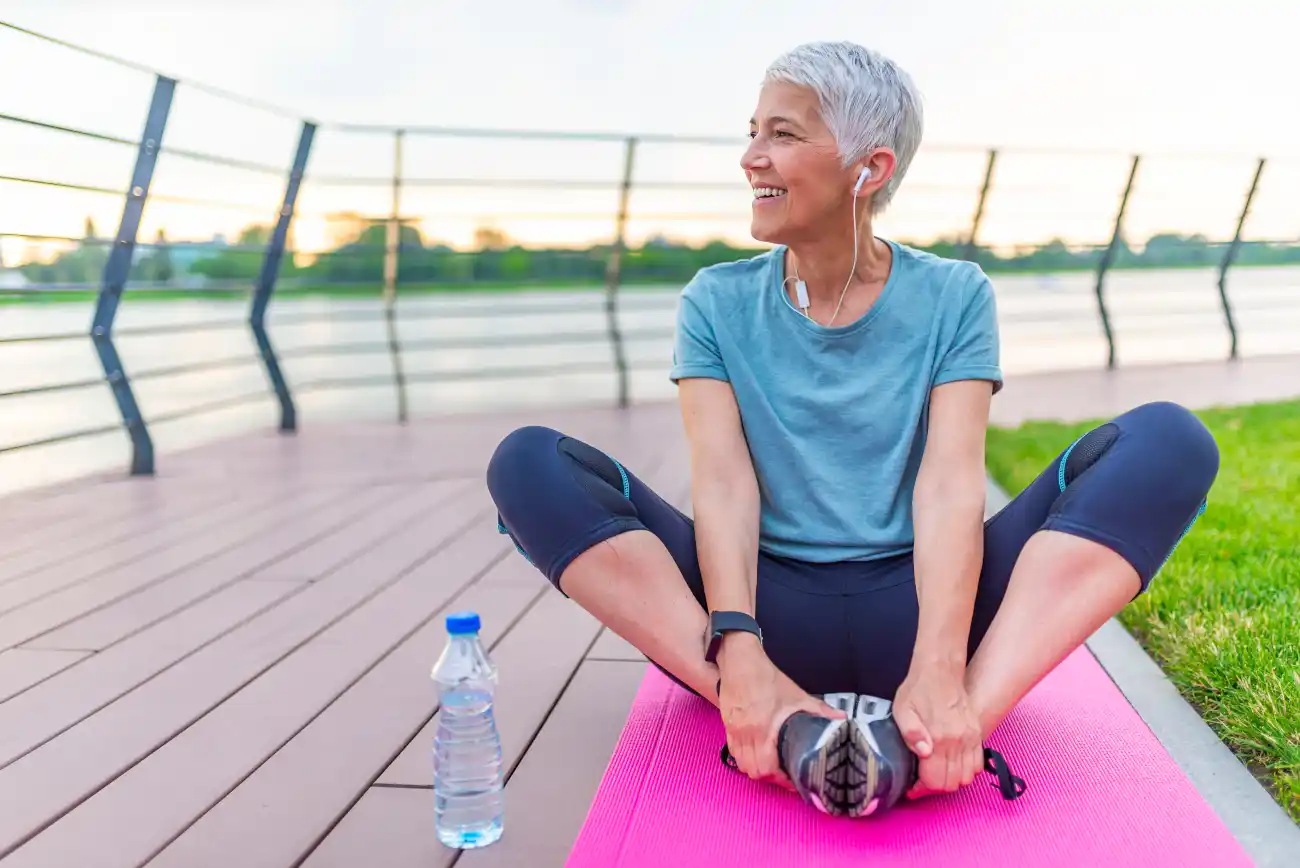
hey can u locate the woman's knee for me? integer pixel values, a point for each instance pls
(1179, 434)
(517, 457)
(556, 496)
(535, 461)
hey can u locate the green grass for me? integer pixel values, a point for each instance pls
(1223, 616)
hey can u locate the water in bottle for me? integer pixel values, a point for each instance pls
(467, 774)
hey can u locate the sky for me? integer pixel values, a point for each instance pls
(1066, 91)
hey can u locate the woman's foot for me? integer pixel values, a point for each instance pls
(853, 767)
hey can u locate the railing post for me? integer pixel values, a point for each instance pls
(392, 251)
(118, 269)
(614, 273)
(1109, 257)
(969, 253)
(270, 271)
(1231, 255)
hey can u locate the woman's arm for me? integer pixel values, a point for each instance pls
(755, 697)
(931, 707)
(724, 497)
(724, 490)
(948, 520)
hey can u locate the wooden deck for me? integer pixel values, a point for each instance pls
(227, 665)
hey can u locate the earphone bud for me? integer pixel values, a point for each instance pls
(862, 178)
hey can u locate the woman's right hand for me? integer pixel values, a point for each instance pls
(755, 699)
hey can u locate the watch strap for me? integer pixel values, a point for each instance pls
(723, 622)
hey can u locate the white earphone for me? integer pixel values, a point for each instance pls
(862, 178)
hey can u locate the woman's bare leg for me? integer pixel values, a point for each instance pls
(607, 541)
(631, 584)
(1062, 589)
(1102, 514)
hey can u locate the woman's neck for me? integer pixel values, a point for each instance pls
(823, 265)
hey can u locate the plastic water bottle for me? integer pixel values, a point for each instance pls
(467, 768)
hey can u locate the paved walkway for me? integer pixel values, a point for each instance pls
(1077, 395)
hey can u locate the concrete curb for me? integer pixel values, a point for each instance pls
(1246, 808)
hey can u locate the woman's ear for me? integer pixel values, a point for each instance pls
(875, 169)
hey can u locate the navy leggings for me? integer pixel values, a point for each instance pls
(1135, 484)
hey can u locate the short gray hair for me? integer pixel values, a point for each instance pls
(866, 100)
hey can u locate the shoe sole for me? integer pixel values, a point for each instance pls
(842, 771)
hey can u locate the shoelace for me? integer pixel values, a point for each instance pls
(1009, 784)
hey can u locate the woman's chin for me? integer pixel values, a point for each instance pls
(767, 231)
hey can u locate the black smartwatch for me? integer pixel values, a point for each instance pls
(721, 623)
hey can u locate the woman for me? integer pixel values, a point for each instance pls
(835, 393)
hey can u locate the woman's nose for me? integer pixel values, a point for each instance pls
(754, 158)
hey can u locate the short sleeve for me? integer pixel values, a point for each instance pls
(695, 348)
(972, 353)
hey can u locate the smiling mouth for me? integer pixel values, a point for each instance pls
(768, 194)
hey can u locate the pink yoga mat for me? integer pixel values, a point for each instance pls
(1101, 792)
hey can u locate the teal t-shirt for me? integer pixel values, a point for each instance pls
(835, 418)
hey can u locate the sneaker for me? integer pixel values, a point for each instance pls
(853, 767)
(859, 765)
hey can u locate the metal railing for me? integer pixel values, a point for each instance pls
(965, 227)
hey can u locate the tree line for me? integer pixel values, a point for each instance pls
(496, 259)
(662, 260)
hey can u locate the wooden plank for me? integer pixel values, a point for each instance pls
(38, 519)
(88, 755)
(101, 490)
(169, 538)
(40, 616)
(58, 500)
(335, 452)
(611, 646)
(561, 770)
(57, 776)
(219, 750)
(32, 718)
(463, 443)
(117, 621)
(547, 797)
(521, 574)
(409, 505)
(124, 587)
(391, 827)
(57, 542)
(20, 668)
(536, 660)
(283, 809)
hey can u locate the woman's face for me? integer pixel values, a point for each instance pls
(794, 167)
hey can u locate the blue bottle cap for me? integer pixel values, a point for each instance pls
(460, 623)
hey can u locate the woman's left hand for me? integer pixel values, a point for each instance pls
(937, 721)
